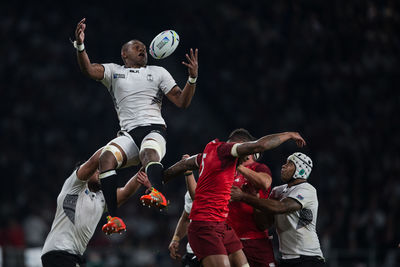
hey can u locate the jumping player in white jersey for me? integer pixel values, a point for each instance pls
(137, 91)
(294, 208)
(80, 206)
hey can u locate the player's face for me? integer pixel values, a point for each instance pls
(287, 171)
(136, 54)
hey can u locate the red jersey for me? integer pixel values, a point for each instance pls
(216, 173)
(240, 216)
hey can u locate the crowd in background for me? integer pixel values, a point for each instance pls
(328, 69)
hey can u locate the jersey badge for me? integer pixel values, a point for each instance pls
(119, 75)
(149, 77)
(300, 197)
(87, 191)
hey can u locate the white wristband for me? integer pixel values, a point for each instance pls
(79, 47)
(192, 80)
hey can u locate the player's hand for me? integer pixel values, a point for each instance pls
(173, 250)
(236, 193)
(143, 179)
(80, 31)
(298, 139)
(192, 64)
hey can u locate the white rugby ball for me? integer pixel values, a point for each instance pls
(164, 44)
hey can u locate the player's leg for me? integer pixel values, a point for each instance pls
(116, 154)
(238, 259)
(216, 261)
(152, 150)
(234, 248)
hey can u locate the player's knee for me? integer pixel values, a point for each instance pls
(149, 145)
(110, 158)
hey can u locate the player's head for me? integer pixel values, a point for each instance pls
(134, 54)
(94, 182)
(240, 135)
(297, 166)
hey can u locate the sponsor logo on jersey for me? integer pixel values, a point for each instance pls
(118, 75)
(134, 71)
(149, 77)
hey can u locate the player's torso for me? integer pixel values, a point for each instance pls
(137, 96)
(216, 176)
(297, 230)
(75, 221)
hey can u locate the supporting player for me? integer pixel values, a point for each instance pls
(137, 90)
(212, 240)
(80, 206)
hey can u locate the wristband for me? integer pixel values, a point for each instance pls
(192, 80)
(187, 173)
(79, 47)
(176, 238)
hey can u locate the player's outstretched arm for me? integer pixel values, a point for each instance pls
(179, 168)
(93, 70)
(183, 98)
(272, 206)
(180, 232)
(130, 188)
(87, 169)
(268, 142)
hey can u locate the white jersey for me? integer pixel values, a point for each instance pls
(297, 230)
(78, 212)
(137, 93)
(188, 208)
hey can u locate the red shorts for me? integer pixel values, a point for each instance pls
(212, 238)
(259, 252)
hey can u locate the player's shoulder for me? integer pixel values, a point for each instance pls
(279, 188)
(307, 186)
(155, 68)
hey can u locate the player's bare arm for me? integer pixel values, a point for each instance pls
(93, 70)
(272, 206)
(190, 180)
(130, 188)
(263, 220)
(179, 168)
(180, 232)
(183, 98)
(269, 142)
(261, 180)
(87, 169)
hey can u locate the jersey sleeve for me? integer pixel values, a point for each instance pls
(108, 74)
(225, 150)
(166, 82)
(73, 185)
(188, 203)
(304, 195)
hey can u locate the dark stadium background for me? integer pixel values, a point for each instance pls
(328, 69)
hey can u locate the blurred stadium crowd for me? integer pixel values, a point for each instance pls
(328, 69)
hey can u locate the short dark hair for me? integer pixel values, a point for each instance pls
(241, 134)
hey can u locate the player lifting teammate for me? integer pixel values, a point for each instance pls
(137, 90)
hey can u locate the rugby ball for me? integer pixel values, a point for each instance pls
(164, 44)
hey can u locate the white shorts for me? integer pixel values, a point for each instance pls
(131, 150)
